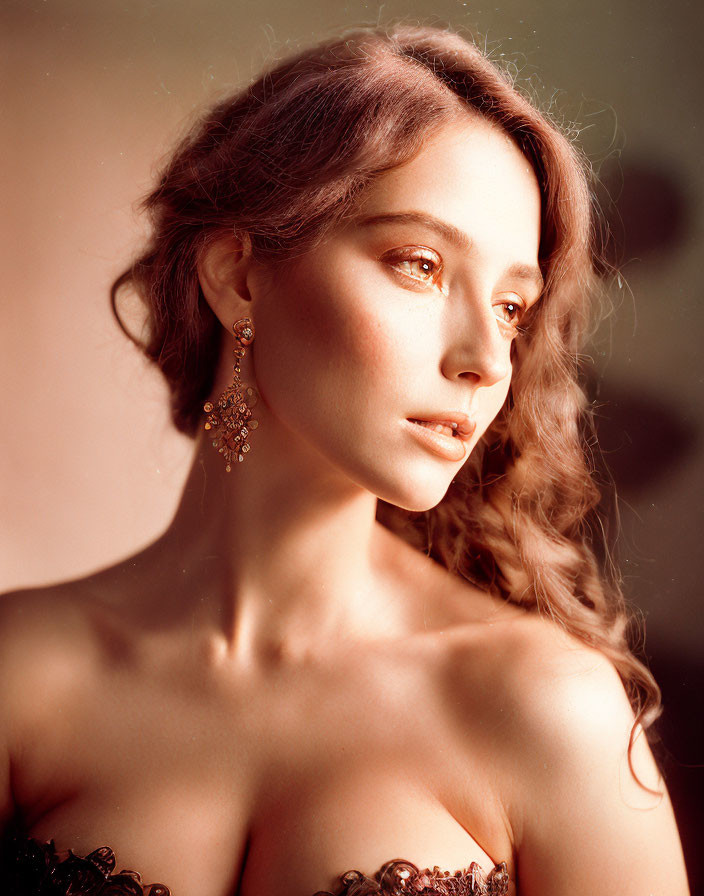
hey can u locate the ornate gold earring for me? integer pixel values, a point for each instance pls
(230, 418)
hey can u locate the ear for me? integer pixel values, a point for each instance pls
(222, 271)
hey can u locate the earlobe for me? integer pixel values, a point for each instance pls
(222, 272)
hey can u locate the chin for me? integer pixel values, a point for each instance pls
(414, 495)
(415, 485)
(416, 505)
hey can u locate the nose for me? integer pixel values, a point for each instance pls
(479, 348)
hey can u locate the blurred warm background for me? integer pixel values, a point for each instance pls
(94, 94)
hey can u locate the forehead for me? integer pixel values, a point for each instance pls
(471, 175)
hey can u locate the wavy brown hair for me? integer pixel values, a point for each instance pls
(284, 161)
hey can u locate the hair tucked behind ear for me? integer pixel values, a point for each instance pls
(285, 160)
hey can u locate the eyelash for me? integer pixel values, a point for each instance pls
(410, 255)
(428, 257)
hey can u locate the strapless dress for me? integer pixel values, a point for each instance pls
(29, 867)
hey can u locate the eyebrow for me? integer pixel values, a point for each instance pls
(457, 237)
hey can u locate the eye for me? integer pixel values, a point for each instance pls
(415, 262)
(512, 311)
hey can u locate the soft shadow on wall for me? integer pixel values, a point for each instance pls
(646, 215)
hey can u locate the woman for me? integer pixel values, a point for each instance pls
(379, 640)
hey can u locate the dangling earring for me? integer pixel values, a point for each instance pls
(230, 418)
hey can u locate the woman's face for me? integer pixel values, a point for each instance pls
(407, 312)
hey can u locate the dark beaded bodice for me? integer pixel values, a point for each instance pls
(31, 868)
(401, 878)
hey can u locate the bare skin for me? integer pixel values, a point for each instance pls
(279, 689)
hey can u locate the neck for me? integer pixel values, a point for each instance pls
(285, 558)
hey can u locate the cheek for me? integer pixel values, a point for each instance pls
(489, 402)
(324, 345)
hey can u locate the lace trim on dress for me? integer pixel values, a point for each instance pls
(401, 878)
(31, 868)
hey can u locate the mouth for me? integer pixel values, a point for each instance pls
(453, 424)
(447, 429)
(446, 436)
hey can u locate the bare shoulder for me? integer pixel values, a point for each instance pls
(48, 657)
(71, 626)
(49, 641)
(56, 644)
(552, 717)
(552, 676)
(548, 693)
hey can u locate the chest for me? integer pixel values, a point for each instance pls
(267, 791)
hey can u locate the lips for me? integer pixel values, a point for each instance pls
(447, 429)
(450, 423)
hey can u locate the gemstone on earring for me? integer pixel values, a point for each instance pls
(228, 415)
(244, 330)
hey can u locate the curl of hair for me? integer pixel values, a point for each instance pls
(284, 161)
